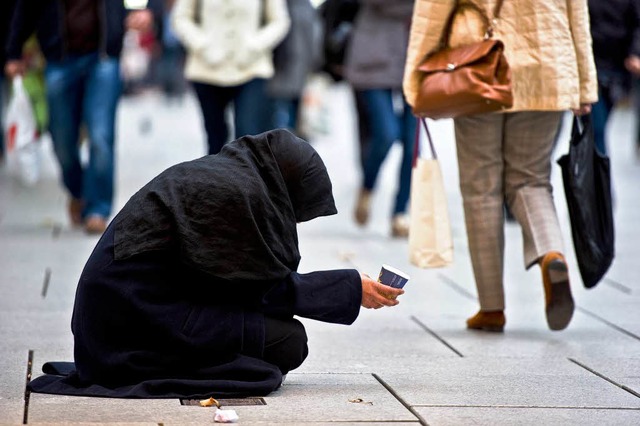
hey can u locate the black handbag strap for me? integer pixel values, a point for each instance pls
(468, 4)
(416, 141)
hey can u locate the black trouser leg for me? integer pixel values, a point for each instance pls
(285, 343)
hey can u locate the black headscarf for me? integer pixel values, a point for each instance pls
(232, 215)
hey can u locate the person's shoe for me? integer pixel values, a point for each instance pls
(95, 224)
(363, 205)
(487, 321)
(74, 208)
(400, 226)
(557, 291)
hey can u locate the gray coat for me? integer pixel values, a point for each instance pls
(300, 52)
(377, 51)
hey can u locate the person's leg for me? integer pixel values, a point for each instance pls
(529, 139)
(384, 131)
(480, 165)
(65, 89)
(408, 130)
(102, 92)
(364, 133)
(252, 108)
(400, 221)
(600, 112)
(213, 102)
(282, 113)
(285, 343)
(384, 128)
(528, 145)
(2, 148)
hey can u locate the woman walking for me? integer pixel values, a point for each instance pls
(507, 155)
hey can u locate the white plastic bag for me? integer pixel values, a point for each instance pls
(23, 145)
(134, 60)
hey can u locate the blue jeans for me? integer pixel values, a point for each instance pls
(387, 126)
(85, 89)
(250, 107)
(285, 113)
(1, 115)
(612, 87)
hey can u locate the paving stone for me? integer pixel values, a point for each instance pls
(529, 382)
(303, 398)
(523, 416)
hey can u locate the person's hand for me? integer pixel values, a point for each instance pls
(140, 20)
(376, 295)
(14, 67)
(632, 63)
(584, 109)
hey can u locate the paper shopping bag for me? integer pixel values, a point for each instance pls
(430, 241)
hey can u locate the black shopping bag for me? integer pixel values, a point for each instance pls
(586, 177)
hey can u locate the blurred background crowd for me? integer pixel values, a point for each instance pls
(253, 65)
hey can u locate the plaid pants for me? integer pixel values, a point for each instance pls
(506, 157)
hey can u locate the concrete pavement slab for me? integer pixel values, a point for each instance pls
(525, 416)
(502, 381)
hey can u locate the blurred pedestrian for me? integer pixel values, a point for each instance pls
(338, 18)
(194, 286)
(229, 59)
(508, 155)
(295, 58)
(81, 41)
(6, 13)
(171, 63)
(374, 67)
(615, 29)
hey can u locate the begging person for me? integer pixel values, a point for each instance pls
(193, 288)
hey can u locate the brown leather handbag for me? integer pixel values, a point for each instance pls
(465, 80)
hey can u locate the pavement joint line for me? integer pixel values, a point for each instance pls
(609, 323)
(400, 399)
(618, 286)
(457, 287)
(434, 334)
(45, 284)
(602, 376)
(507, 406)
(27, 392)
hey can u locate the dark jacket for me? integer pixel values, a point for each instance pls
(615, 30)
(378, 48)
(46, 17)
(299, 54)
(6, 13)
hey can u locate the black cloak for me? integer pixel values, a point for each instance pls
(232, 215)
(171, 302)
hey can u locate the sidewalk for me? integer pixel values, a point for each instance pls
(415, 364)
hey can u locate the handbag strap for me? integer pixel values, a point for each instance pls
(416, 142)
(462, 4)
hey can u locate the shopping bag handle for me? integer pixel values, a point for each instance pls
(580, 123)
(416, 142)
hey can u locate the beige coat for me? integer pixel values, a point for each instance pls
(547, 44)
(230, 42)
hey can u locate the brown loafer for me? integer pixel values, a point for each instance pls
(74, 208)
(487, 321)
(95, 224)
(559, 304)
(363, 205)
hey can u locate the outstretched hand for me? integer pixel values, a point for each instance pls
(376, 295)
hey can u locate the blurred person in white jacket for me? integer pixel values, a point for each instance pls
(229, 60)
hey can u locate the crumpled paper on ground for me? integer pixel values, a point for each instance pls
(225, 416)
